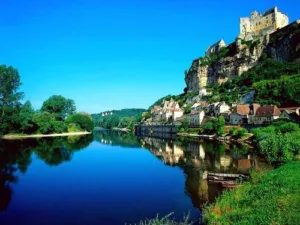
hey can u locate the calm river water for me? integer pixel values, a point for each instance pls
(110, 178)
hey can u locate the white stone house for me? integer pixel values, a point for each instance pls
(156, 113)
(221, 108)
(170, 110)
(196, 118)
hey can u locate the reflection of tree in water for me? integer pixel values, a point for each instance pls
(16, 156)
(117, 138)
(11, 160)
(55, 151)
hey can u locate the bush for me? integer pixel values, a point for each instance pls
(73, 127)
(280, 148)
(44, 122)
(84, 121)
(59, 127)
(241, 133)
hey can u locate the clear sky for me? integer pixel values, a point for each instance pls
(115, 54)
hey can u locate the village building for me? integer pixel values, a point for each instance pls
(240, 114)
(266, 114)
(253, 109)
(291, 113)
(170, 111)
(196, 107)
(221, 108)
(196, 118)
(262, 24)
(156, 113)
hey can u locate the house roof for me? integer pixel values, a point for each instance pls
(290, 110)
(253, 108)
(196, 105)
(242, 110)
(271, 110)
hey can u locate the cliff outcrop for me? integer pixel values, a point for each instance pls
(240, 56)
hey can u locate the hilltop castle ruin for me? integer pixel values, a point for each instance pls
(262, 24)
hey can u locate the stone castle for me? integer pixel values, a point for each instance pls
(262, 24)
(267, 33)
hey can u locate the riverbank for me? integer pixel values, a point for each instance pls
(246, 140)
(270, 197)
(23, 136)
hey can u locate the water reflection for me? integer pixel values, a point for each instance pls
(17, 156)
(194, 157)
(197, 158)
(117, 138)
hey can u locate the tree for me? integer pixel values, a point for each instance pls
(25, 118)
(44, 121)
(60, 106)
(219, 125)
(83, 120)
(9, 95)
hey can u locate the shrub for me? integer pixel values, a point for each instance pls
(73, 127)
(59, 127)
(44, 122)
(280, 148)
(84, 121)
(241, 133)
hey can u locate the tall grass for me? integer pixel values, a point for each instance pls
(166, 220)
(270, 198)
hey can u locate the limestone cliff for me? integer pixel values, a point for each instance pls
(282, 45)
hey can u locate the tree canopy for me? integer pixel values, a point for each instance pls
(9, 96)
(59, 106)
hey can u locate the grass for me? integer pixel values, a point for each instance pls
(271, 198)
(166, 220)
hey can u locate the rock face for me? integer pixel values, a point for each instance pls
(282, 45)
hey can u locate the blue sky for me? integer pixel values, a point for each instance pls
(115, 54)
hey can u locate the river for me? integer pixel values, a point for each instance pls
(111, 178)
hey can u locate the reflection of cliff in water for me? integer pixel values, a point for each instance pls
(117, 138)
(198, 158)
(16, 156)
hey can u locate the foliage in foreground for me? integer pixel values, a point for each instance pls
(165, 221)
(270, 198)
(279, 143)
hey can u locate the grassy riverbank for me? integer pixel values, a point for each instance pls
(22, 136)
(270, 198)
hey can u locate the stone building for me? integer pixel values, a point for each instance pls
(215, 48)
(240, 114)
(266, 114)
(261, 24)
(170, 110)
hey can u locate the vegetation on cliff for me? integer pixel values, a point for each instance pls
(274, 82)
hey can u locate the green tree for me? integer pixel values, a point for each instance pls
(60, 106)
(25, 118)
(219, 125)
(9, 96)
(83, 120)
(44, 122)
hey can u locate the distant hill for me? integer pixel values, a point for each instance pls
(120, 113)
